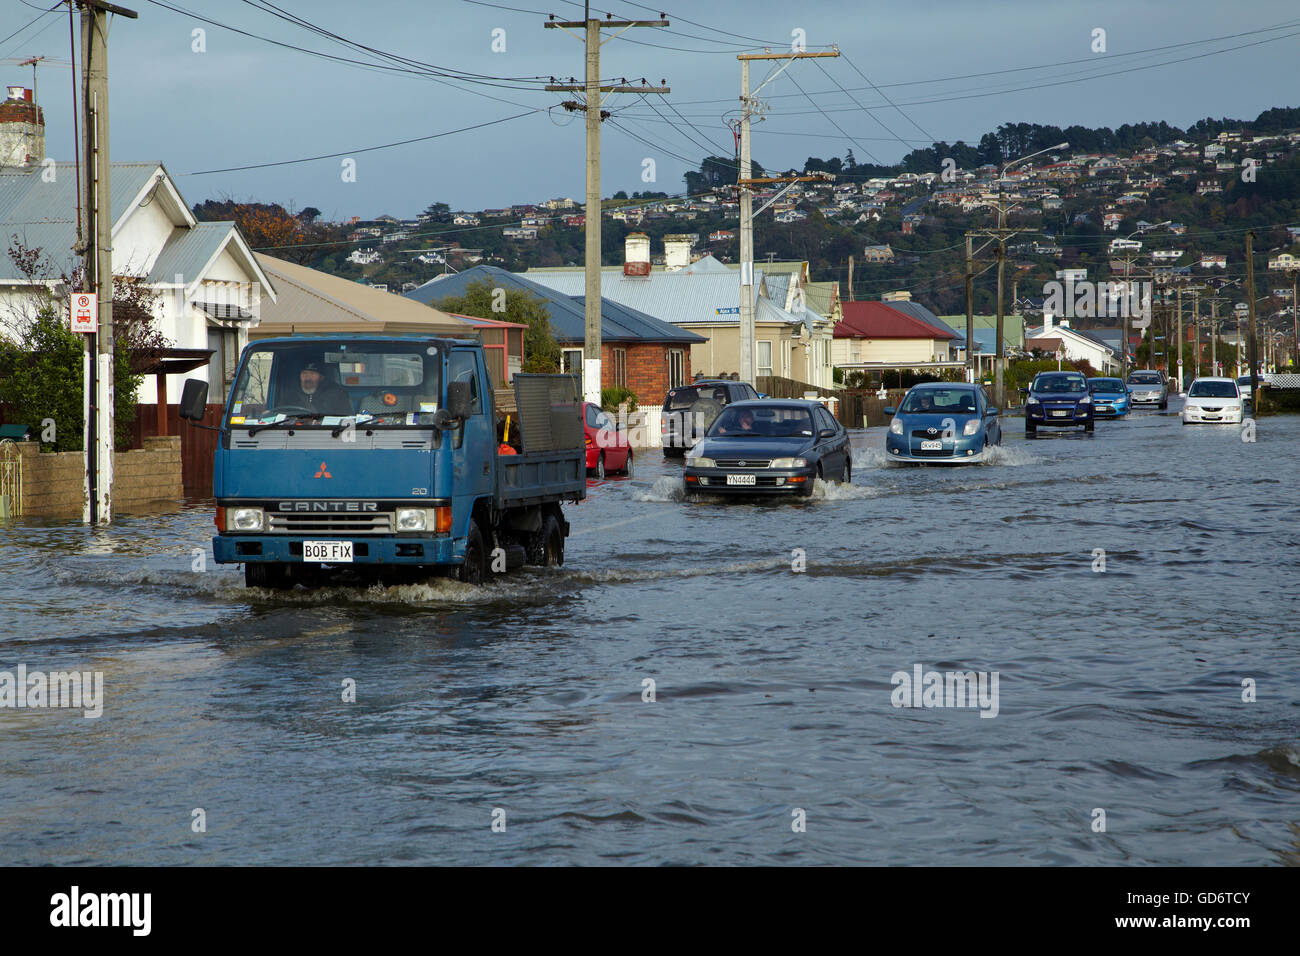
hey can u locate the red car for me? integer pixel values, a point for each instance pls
(607, 447)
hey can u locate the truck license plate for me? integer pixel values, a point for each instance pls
(740, 479)
(931, 446)
(328, 552)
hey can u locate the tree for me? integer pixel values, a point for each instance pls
(437, 212)
(541, 350)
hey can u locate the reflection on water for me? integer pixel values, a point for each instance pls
(770, 630)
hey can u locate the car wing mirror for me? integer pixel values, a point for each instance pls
(992, 411)
(194, 399)
(826, 433)
(890, 410)
(1024, 390)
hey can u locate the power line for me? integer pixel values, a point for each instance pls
(870, 154)
(364, 149)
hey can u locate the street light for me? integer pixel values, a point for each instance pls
(1000, 361)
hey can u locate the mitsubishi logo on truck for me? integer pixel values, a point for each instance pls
(322, 473)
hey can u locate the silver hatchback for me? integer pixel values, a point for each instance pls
(1148, 387)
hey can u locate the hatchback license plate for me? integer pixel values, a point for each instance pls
(328, 552)
(931, 446)
(741, 480)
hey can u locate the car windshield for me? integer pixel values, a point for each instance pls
(1106, 385)
(1212, 390)
(1144, 378)
(763, 421)
(323, 383)
(939, 401)
(680, 398)
(1060, 384)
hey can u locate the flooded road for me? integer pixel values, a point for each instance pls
(1119, 690)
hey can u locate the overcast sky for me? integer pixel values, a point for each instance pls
(243, 100)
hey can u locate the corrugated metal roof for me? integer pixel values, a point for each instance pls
(681, 298)
(187, 251)
(43, 215)
(886, 320)
(311, 300)
(622, 323)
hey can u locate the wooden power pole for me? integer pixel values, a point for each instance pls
(593, 89)
(1254, 331)
(98, 252)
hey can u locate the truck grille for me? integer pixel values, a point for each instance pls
(329, 524)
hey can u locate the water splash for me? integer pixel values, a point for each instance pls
(665, 488)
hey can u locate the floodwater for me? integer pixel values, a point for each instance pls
(772, 736)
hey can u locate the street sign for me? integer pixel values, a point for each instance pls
(84, 312)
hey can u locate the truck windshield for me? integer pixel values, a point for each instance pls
(324, 383)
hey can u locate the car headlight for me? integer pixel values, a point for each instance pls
(1086, 400)
(971, 427)
(1032, 401)
(411, 519)
(245, 519)
(789, 462)
(700, 463)
(896, 426)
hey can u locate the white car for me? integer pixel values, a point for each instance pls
(1213, 401)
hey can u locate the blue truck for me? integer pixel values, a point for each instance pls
(379, 457)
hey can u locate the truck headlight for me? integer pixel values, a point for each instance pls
(789, 462)
(245, 519)
(411, 519)
(896, 426)
(700, 463)
(971, 427)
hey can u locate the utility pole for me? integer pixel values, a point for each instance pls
(98, 402)
(744, 180)
(1196, 327)
(1254, 340)
(1214, 335)
(970, 312)
(850, 278)
(592, 89)
(1180, 340)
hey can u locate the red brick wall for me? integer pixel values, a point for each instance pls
(647, 368)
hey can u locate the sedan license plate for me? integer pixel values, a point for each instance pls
(741, 480)
(1104, 408)
(1061, 413)
(328, 552)
(931, 446)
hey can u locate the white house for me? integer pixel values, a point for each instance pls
(209, 285)
(1056, 336)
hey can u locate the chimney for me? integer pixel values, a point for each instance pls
(903, 296)
(22, 129)
(677, 252)
(636, 254)
(1047, 323)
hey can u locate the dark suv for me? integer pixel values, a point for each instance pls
(690, 409)
(1058, 400)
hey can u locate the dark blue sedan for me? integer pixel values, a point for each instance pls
(943, 422)
(769, 447)
(1058, 400)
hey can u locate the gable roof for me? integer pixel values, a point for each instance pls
(315, 301)
(888, 320)
(619, 322)
(189, 253)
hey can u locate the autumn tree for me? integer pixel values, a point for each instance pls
(541, 350)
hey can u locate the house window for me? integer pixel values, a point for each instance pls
(571, 364)
(765, 358)
(620, 367)
(676, 368)
(224, 344)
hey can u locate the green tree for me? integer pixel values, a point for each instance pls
(541, 350)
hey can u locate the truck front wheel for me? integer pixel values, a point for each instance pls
(267, 574)
(474, 570)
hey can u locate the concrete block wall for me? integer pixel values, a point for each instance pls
(53, 483)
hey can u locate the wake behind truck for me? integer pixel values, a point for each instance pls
(378, 457)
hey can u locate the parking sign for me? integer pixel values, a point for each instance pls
(85, 312)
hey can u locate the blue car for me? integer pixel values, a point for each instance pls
(943, 422)
(1110, 397)
(1058, 400)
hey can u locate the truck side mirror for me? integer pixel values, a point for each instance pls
(194, 399)
(460, 400)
